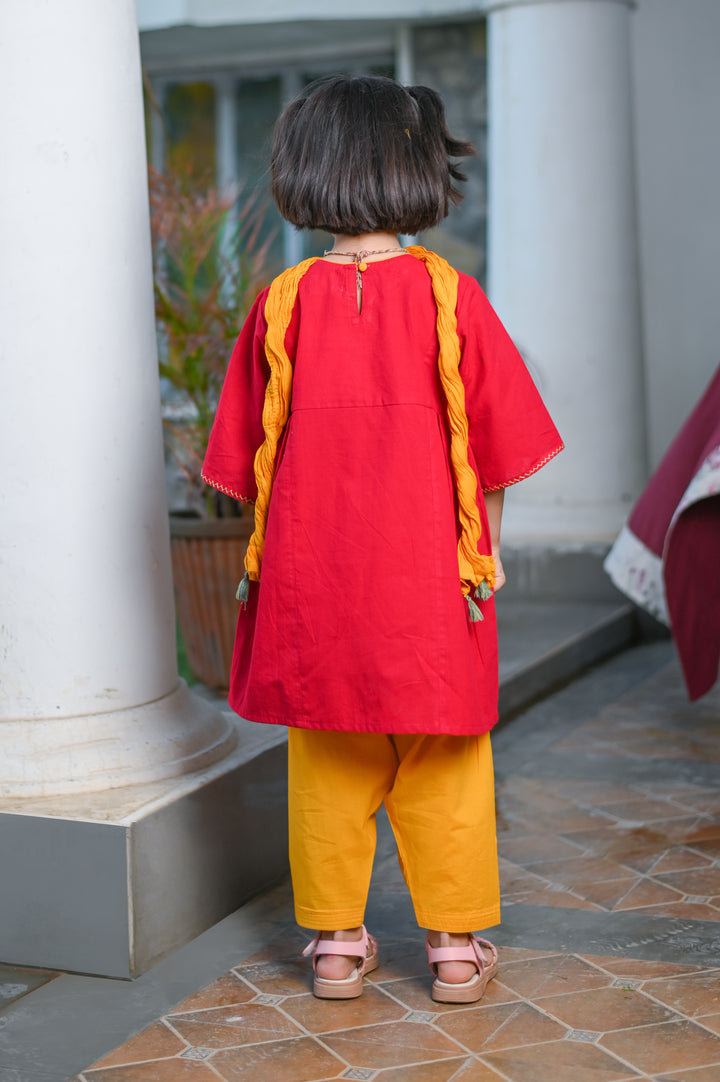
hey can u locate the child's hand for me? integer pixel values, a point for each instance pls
(499, 572)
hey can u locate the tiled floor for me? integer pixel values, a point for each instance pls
(609, 831)
(547, 1016)
(650, 844)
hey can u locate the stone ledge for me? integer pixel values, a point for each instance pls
(111, 888)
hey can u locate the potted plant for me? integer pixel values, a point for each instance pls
(208, 266)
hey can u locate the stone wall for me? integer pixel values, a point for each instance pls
(452, 59)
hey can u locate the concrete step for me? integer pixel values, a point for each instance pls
(544, 644)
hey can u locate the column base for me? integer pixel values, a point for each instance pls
(84, 753)
(108, 883)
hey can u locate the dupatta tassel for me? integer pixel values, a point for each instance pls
(474, 611)
(243, 591)
(483, 591)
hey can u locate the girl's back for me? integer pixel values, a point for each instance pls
(384, 355)
(361, 624)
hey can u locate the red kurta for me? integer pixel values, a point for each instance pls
(358, 622)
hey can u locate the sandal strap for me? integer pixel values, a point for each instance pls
(452, 954)
(349, 948)
(471, 952)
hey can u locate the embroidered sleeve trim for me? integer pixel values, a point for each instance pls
(224, 488)
(521, 477)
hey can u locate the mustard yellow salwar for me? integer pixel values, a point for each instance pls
(439, 794)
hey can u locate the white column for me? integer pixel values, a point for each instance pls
(404, 55)
(293, 239)
(562, 252)
(89, 692)
(225, 140)
(157, 128)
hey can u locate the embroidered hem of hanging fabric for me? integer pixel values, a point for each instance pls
(705, 483)
(637, 571)
(528, 473)
(224, 488)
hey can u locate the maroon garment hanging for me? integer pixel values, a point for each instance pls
(667, 558)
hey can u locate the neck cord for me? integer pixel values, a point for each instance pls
(359, 256)
(358, 259)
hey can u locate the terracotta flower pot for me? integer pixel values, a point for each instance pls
(208, 563)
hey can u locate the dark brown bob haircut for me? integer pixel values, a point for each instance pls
(363, 154)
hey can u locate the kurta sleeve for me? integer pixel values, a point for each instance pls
(510, 430)
(237, 430)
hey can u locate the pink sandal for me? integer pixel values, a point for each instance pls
(469, 991)
(364, 949)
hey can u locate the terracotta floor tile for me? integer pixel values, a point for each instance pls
(711, 1022)
(225, 1027)
(693, 995)
(667, 1047)
(391, 1045)
(710, 847)
(532, 792)
(284, 977)
(680, 790)
(571, 821)
(524, 813)
(590, 793)
(606, 893)
(161, 1070)
(605, 1009)
(647, 892)
(514, 878)
(524, 954)
(552, 976)
(448, 1070)
(325, 1015)
(638, 968)
(485, 1029)
(702, 1074)
(562, 899)
(535, 848)
(572, 873)
(301, 1060)
(415, 995)
(703, 832)
(683, 910)
(653, 743)
(635, 850)
(700, 881)
(678, 859)
(228, 989)
(152, 1043)
(559, 1061)
(707, 802)
(679, 831)
(601, 839)
(644, 810)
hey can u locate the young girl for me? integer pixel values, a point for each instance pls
(375, 409)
